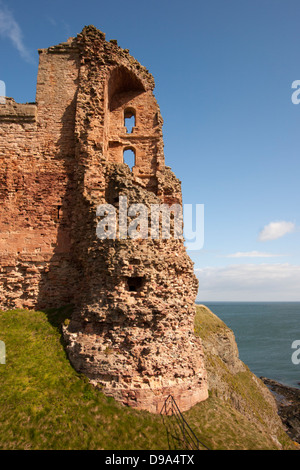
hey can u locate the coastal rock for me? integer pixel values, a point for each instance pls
(288, 404)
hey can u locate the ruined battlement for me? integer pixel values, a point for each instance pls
(15, 112)
(61, 157)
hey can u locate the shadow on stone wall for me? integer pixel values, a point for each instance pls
(60, 275)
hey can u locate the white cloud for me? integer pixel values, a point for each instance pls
(9, 28)
(275, 230)
(257, 282)
(252, 254)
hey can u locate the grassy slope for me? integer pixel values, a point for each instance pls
(45, 404)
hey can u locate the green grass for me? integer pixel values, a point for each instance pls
(46, 404)
(207, 323)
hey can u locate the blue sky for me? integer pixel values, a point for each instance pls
(223, 73)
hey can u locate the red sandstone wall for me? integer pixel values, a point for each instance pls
(36, 165)
(50, 153)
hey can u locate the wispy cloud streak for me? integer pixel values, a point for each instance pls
(9, 28)
(246, 282)
(252, 254)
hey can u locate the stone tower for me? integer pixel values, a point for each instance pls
(131, 331)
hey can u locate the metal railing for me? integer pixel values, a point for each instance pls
(179, 433)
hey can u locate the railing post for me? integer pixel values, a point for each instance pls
(188, 437)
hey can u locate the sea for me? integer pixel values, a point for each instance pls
(265, 333)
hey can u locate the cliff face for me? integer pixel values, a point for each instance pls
(231, 382)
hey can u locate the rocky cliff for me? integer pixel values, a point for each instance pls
(234, 391)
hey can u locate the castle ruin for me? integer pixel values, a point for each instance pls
(131, 332)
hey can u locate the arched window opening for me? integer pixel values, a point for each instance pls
(123, 85)
(129, 120)
(129, 158)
